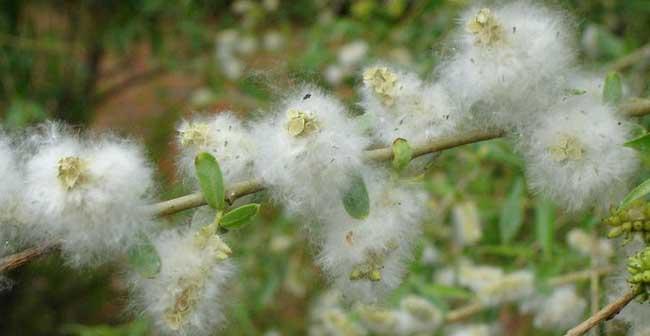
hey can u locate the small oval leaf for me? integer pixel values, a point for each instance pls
(641, 143)
(640, 191)
(402, 154)
(143, 257)
(210, 180)
(613, 89)
(238, 217)
(355, 199)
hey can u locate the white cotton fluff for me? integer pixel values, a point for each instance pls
(473, 330)
(225, 137)
(590, 246)
(11, 188)
(186, 297)
(90, 195)
(398, 104)
(415, 315)
(467, 223)
(493, 286)
(575, 154)
(503, 54)
(366, 259)
(307, 150)
(559, 311)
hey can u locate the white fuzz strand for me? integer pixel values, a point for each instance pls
(307, 150)
(225, 137)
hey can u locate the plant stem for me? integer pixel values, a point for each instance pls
(606, 313)
(633, 108)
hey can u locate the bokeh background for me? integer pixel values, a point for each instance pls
(138, 66)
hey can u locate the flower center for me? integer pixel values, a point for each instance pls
(382, 81)
(197, 134)
(567, 148)
(300, 123)
(71, 171)
(486, 28)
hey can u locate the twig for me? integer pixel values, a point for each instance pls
(608, 312)
(473, 308)
(630, 59)
(636, 108)
(190, 201)
(16, 260)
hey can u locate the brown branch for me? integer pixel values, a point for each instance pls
(607, 313)
(630, 59)
(16, 260)
(634, 108)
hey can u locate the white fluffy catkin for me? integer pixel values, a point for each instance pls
(88, 194)
(398, 104)
(225, 137)
(307, 149)
(366, 259)
(186, 297)
(559, 311)
(503, 53)
(575, 154)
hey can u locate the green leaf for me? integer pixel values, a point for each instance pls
(210, 180)
(236, 218)
(512, 213)
(613, 90)
(639, 192)
(641, 143)
(545, 225)
(355, 199)
(402, 154)
(144, 258)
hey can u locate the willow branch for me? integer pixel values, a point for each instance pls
(16, 260)
(608, 312)
(630, 59)
(636, 107)
(471, 309)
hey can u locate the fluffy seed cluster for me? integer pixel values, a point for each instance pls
(225, 137)
(366, 258)
(493, 286)
(398, 104)
(559, 311)
(580, 166)
(186, 297)
(308, 147)
(90, 194)
(414, 315)
(498, 50)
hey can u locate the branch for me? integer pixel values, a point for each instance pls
(462, 313)
(630, 59)
(637, 107)
(604, 314)
(16, 260)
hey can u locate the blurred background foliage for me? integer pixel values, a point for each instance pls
(138, 66)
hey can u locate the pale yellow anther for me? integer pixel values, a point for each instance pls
(567, 148)
(197, 134)
(71, 171)
(383, 82)
(486, 28)
(299, 123)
